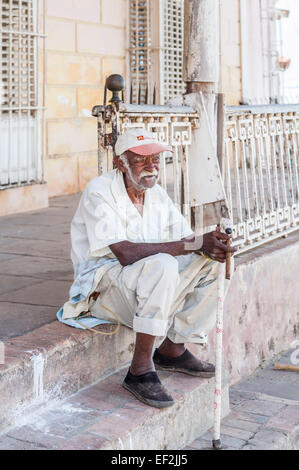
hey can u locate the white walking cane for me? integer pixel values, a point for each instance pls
(207, 190)
(223, 273)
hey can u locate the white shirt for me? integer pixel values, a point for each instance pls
(106, 215)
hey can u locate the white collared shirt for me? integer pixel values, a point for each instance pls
(106, 215)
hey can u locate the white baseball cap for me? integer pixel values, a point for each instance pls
(139, 141)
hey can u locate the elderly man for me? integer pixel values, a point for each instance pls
(135, 255)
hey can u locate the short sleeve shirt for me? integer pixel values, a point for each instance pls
(106, 215)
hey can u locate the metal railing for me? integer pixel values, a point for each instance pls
(22, 120)
(260, 172)
(173, 126)
(259, 167)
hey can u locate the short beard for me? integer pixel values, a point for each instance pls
(137, 185)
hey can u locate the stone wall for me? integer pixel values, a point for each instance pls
(230, 45)
(85, 43)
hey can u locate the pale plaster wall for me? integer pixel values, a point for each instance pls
(23, 199)
(230, 51)
(86, 42)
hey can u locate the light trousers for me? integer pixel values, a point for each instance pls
(162, 295)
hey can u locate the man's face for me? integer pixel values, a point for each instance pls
(142, 171)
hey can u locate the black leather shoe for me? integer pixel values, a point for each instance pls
(148, 389)
(186, 363)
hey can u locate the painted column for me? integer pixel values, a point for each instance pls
(201, 50)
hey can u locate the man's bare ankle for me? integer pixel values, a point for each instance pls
(170, 349)
(140, 370)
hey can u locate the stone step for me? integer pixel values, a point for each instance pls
(55, 361)
(105, 416)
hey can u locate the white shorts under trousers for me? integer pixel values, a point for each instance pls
(162, 295)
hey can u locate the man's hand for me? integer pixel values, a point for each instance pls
(214, 246)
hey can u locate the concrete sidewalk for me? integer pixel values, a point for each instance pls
(36, 271)
(264, 412)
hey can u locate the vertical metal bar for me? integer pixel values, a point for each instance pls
(160, 57)
(237, 180)
(28, 114)
(10, 93)
(267, 154)
(2, 130)
(163, 178)
(259, 163)
(281, 160)
(286, 135)
(227, 172)
(270, 72)
(131, 93)
(272, 126)
(244, 173)
(18, 55)
(137, 44)
(220, 130)
(1, 60)
(101, 144)
(253, 163)
(34, 21)
(146, 94)
(44, 96)
(139, 93)
(175, 160)
(185, 166)
(170, 76)
(32, 116)
(295, 155)
(176, 171)
(147, 77)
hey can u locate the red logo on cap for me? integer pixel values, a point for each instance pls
(140, 137)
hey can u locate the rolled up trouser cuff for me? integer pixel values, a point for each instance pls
(150, 326)
(201, 338)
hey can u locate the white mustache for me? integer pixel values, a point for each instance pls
(148, 173)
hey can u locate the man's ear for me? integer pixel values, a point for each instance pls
(115, 163)
(119, 164)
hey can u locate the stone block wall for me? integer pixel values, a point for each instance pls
(86, 42)
(230, 44)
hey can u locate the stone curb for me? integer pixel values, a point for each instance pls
(55, 361)
(105, 416)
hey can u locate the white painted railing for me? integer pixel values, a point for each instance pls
(173, 126)
(22, 92)
(19, 150)
(260, 172)
(259, 168)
